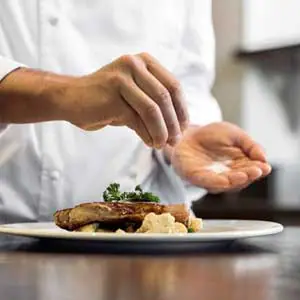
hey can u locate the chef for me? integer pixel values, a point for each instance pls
(94, 92)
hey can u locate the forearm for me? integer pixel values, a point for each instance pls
(29, 96)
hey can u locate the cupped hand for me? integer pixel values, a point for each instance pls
(219, 157)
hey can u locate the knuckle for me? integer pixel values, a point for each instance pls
(183, 116)
(163, 97)
(117, 79)
(129, 60)
(145, 56)
(152, 111)
(173, 128)
(175, 87)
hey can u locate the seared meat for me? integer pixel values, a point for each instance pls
(116, 213)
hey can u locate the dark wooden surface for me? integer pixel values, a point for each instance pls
(261, 268)
(275, 198)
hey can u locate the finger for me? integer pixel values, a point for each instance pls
(135, 123)
(249, 174)
(148, 111)
(172, 85)
(132, 120)
(264, 167)
(250, 147)
(236, 181)
(256, 152)
(208, 180)
(242, 177)
(160, 95)
(253, 176)
(237, 178)
(218, 183)
(235, 189)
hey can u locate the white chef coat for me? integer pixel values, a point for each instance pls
(52, 165)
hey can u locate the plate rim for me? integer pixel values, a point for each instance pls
(61, 234)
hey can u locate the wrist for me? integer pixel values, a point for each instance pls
(56, 92)
(29, 96)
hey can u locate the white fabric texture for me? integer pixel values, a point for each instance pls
(47, 166)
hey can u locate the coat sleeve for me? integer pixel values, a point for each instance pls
(7, 65)
(195, 71)
(195, 67)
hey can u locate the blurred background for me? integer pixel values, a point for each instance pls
(258, 87)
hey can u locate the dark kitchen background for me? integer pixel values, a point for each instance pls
(258, 87)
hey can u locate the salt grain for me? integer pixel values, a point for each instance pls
(219, 167)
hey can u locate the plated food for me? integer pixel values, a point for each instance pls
(127, 212)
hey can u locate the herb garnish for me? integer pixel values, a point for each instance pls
(113, 193)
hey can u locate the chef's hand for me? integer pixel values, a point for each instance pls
(135, 91)
(219, 157)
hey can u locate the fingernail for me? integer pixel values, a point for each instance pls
(158, 146)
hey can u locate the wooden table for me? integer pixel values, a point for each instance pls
(256, 269)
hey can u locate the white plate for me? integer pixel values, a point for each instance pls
(213, 231)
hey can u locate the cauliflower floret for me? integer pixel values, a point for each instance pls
(120, 231)
(180, 228)
(88, 228)
(164, 223)
(195, 224)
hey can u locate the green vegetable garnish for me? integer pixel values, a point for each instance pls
(113, 193)
(190, 230)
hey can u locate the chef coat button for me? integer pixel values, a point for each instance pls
(54, 175)
(53, 21)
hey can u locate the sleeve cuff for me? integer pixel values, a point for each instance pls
(181, 188)
(7, 65)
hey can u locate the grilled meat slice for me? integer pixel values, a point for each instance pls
(115, 213)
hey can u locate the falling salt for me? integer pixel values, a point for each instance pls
(219, 166)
